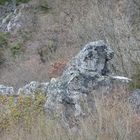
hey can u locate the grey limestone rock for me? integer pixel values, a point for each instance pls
(33, 87)
(86, 72)
(15, 19)
(4, 90)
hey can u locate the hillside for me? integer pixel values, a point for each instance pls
(69, 70)
(49, 31)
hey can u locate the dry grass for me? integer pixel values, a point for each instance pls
(114, 120)
(57, 68)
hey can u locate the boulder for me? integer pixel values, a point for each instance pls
(32, 88)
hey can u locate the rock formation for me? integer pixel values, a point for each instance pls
(15, 19)
(84, 76)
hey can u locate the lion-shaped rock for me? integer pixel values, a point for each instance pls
(85, 73)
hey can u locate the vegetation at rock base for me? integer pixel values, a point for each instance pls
(114, 119)
(21, 110)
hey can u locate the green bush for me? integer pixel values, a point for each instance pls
(16, 48)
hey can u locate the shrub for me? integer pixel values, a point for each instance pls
(15, 48)
(45, 52)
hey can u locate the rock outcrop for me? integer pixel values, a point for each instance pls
(15, 19)
(86, 75)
